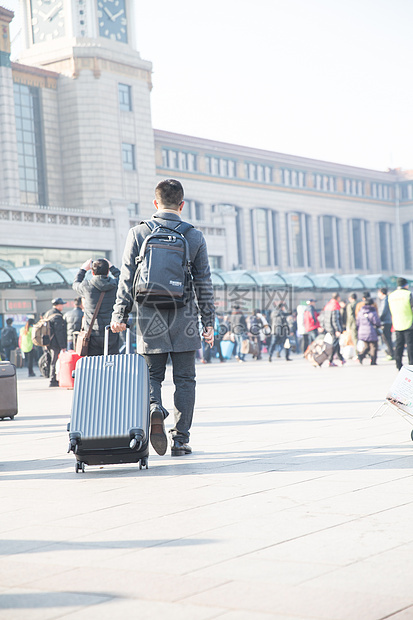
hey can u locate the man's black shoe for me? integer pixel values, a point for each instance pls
(157, 433)
(180, 449)
(54, 383)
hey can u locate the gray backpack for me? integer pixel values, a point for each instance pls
(163, 276)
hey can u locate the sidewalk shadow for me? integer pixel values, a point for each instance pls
(23, 546)
(331, 459)
(44, 600)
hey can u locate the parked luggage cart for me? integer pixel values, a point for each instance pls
(110, 411)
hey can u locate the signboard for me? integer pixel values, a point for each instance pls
(401, 392)
(20, 306)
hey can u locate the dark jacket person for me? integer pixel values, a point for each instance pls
(174, 332)
(90, 290)
(58, 339)
(73, 320)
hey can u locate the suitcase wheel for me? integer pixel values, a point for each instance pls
(80, 466)
(411, 435)
(144, 463)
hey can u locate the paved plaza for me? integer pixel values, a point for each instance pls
(296, 504)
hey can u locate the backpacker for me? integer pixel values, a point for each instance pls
(42, 333)
(163, 276)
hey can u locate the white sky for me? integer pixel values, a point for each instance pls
(328, 79)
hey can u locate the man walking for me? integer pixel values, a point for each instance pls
(386, 322)
(333, 326)
(401, 308)
(91, 290)
(58, 338)
(9, 339)
(351, 322)
(240, 330)
(169, 331)
(73, 320)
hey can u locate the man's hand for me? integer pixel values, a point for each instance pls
(338, 334)
(87, 265)
(208, 335)
(117, 327)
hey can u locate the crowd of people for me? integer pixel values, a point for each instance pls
(353, 326)
(356, 327)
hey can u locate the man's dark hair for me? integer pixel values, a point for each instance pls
(383, 290)
(335, 296)
(169, 193)
(100, 267)
(366, 295)
(9, 322)
(78, 302)
(353, 296)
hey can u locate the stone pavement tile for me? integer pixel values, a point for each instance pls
(251, 567)
(14, 571)
(69, 553)
(194, 553)
(385, 572)
(303, 601)
(144, 610)
(30, 604)
(137, 582)
(404, 614)
(255, 615)
(341, 545)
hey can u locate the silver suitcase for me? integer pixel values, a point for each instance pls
(110, 411)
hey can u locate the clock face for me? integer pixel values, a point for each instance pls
(112, 20)
(47, 18)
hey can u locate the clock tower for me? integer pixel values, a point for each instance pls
(102, 112)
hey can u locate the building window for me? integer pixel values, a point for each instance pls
(380, 191)
(179, 160)
(30, 145)
(330, 241)
(359, 239)
(352, 187)
(298, 228)
(385, 233)
(324, 182)
(275, 236)
(128, 156)
(133, 210)
(220, 166)
(194, 210)
(406, 191)
(238, 226)
(125, 97)
(293, 178)
(407, 246)
(261, 237)
(215, 262)
(258, 172)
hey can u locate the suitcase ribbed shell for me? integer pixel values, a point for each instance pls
(111, 396)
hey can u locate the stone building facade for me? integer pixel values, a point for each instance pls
(79, 160)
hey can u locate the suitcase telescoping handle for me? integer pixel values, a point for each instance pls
(106, 344)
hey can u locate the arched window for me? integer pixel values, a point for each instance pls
(299, 233)
(329, 227)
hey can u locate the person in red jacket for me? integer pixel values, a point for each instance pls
(311, 323)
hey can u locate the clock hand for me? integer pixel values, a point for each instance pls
(117, 14)
(109, 14)
(53, 12)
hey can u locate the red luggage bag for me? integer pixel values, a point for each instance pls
(67, 362)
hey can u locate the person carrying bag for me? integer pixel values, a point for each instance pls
(83, 338)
